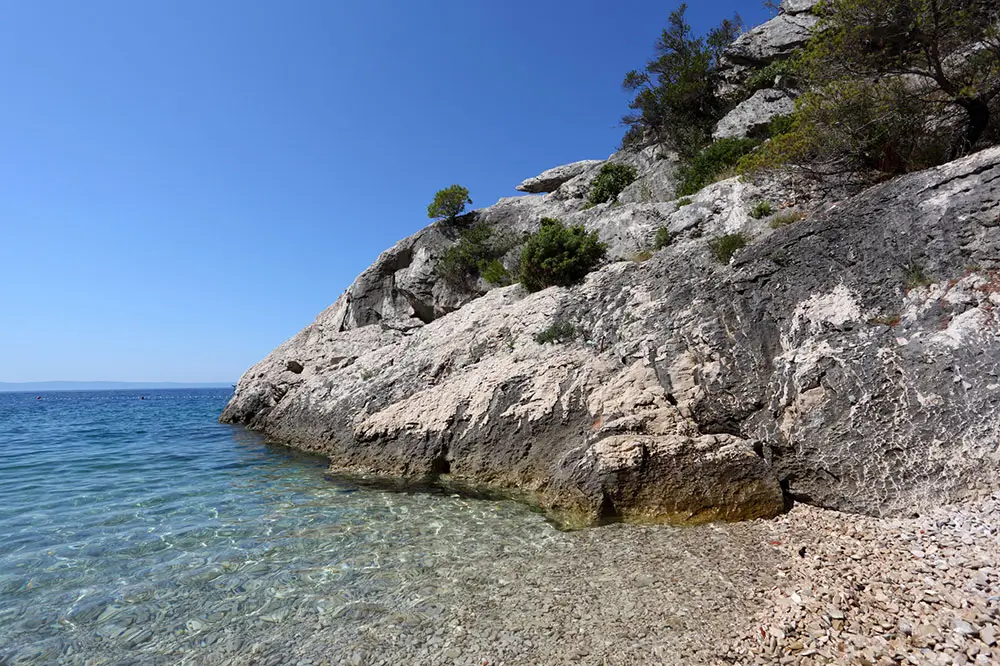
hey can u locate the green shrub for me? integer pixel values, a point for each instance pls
(559, 255)
(885, 40)
(712, 163)
(854, 127)
(610, 181)
(865, 116)
(724, 247)
(663, 238)
(494, 273)
(684, 201)
(761, 210)
(915, 276)
(633, 139)
(477, 253)
(642, 255)
(780, 125)
(784, 219)
(764, 77)
(674, 97)
(449, 203)
(560, 331)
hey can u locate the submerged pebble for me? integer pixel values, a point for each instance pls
(242, 554)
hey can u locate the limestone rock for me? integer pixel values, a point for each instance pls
(656, 182)
(773, 40)
(400, 288)
(549, 181)
(654, 165)
(699, 390)
(753, 116)
(797, 6)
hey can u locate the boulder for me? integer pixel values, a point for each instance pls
(770, 41)
(753, 116)
(549, 181)
(578, 187)
(797, 6)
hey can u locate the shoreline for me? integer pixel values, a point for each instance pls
(840, 586)
(864, 590)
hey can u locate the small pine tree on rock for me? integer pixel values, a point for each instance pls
(449, 203)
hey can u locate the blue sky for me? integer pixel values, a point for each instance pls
(185, 184)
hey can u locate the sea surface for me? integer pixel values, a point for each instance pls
(134, 528)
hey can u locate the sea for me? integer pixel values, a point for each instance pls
(135, 528)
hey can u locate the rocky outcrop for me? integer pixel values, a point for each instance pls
(848, 360)
(657, 182)
(551, 180)
(753, 116)
(401, 289)
(777, 39)
(797, 6)
(773, 40)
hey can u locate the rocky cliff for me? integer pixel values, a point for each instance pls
(847, 357)
(848, 360)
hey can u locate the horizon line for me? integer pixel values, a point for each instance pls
(69, 383)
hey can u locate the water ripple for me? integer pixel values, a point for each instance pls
(142, 530)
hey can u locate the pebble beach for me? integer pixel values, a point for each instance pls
(810, 587)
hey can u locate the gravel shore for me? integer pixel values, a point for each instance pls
(856, 590)
(810, 587)
(463, 582)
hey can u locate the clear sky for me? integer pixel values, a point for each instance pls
(184, 184)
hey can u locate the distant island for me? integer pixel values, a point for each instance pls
(13, 387)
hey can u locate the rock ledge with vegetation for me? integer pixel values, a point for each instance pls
(787, 335)
(845, 360)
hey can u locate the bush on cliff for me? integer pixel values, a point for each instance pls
(559, 255)
(663, 238)
(449, 203)
(558, 332)
(495, 273)
(675, 100)
(765, 76)
(610, 181)
(724, 247)
(893, 87)
(713, 163)
(476, 254)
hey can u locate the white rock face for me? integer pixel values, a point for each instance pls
(549, 181)
(775, 39)
(753, 116)
(692, 390)
(837, 308)
(797, 6)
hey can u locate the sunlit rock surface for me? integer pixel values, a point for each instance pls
(849, 360)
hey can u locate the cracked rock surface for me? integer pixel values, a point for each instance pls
(849, 360)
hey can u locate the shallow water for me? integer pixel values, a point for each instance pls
(142, 531)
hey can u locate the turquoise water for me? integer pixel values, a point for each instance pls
(143, 531)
